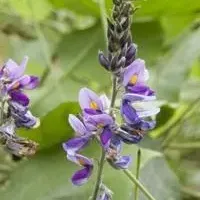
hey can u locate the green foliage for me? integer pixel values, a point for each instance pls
(54, 128)
(48, 173)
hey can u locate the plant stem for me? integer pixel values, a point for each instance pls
(2, 112)
(103, 153)
(137, 172)
(99, 175)
(134, 180)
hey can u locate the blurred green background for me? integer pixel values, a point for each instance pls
(62, 39)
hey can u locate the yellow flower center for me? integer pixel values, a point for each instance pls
(134, 79)
(93, 105)
(100, 125)
(16, 85)
(81, 161)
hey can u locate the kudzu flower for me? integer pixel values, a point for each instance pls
(113, 154)
(104, 193)
(13, 81)
(15, 110)
(135, 77)
(22, 116)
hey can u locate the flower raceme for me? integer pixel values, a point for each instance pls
(16, 113)
(95, 122)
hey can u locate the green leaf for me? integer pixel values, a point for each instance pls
(149, 38)
(6, 167)
(161, 182)
(54, 128)
(173, 69)
(83, 7)
(30, 9)
(47, 177)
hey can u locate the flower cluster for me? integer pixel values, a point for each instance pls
(97, 122)
(15, 106)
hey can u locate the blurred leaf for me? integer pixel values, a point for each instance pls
(149, 38)
(54, 127)
(26, 8)
(174, 67)
(174, 25)
(83, 7)
(160, 180)
(164, 115)
(195, 71)
(190, 90)
(6, 167)
(157, 8)
(49, 174)
(153, 8)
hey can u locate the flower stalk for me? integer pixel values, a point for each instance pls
(103, 153)
(137, 172)
(135, 181)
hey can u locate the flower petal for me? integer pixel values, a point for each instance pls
(129, 113)
(12, 70)
(129, 137)
(75, 144)
(138, 97)
(19, 83)
(98, 121)
(22, 116)
(116, 143)
(136, 67)
(105, 137)
(77, 125)
(82, 176)
(33, 83)
(140, 89)
(147, 125)
(19, 97)
(105, 102)
(80, 159)
(89, 99)
(148, 113)
(122, 162)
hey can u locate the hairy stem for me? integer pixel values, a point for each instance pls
(103, 154)
(99, 175)
(137, 172)
(134, 180)
(2, 112)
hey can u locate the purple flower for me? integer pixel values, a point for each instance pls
(91, 103)
(136, 111)
(78, 126)
(22, 116)
(102, 124)
(14, 81)
(113, 154)
(135, 77)
(104, 193)
(135, 108)
(130, 135)
(72, 147)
